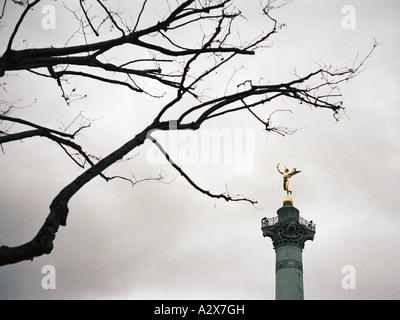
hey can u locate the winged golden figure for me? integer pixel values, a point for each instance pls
(286, 175)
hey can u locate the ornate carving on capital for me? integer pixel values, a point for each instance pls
(289, 232)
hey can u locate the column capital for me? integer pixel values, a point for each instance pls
(288, 228)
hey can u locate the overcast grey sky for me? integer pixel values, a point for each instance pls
(168, 241)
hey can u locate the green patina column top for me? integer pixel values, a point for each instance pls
(288, 228)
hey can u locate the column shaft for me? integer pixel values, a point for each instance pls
(289, 273)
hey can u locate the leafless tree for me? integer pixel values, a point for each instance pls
(162, 58)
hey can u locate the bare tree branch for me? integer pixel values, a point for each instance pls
(87, 18)
(224, 196)
(42, 243)
(111, 18)
(18, 24)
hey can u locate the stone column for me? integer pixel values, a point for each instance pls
(288, 232)
(289, 273)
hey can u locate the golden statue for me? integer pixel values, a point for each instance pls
(286, 176)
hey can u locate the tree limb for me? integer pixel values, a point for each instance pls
(224, 196)
(42, 243)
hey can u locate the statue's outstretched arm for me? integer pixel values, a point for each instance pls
(277, 167)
